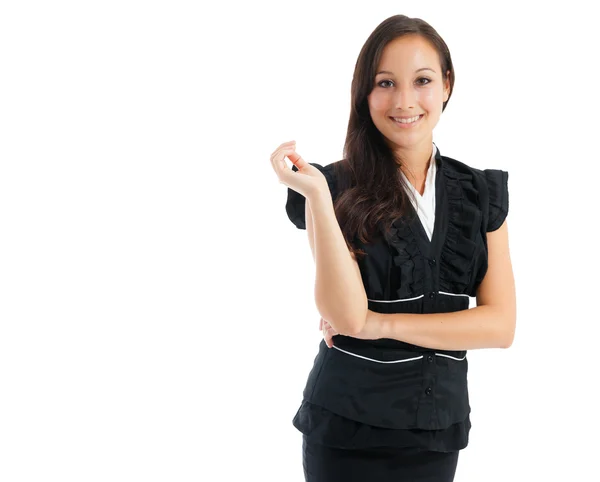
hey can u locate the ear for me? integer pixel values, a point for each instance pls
(447, 86)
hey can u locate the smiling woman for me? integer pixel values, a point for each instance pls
(408, 98)
(388, 399)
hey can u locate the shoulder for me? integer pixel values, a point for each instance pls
(462, 170)
(482, 178)
(491, 186)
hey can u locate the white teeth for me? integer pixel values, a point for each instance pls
(406, 121)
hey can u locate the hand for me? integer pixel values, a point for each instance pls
(307, 180)
(370, 330)
(328, 332)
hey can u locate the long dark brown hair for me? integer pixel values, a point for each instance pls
(372, 194)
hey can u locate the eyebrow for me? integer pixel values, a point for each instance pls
(391, 73)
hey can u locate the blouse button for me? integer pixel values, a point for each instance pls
(428, 391)
(432, 262)
(429, 358)
(431, 295)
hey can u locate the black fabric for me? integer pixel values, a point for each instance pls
(322, 426)
(497, 182)
(368, 393)
(379, 464)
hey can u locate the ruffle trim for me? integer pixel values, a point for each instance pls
(458, 255)
(459, 252)
(407, 258)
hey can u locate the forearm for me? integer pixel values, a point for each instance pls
(481, 327)
(339, 292)
(310, 229)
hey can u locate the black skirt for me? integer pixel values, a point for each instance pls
(378, 464)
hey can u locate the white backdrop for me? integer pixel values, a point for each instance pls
(157, 315)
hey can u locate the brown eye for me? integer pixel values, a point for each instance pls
(428, 81)
(381, 82)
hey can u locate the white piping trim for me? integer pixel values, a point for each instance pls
(417, 297)
(395, 301)
(378, 361)
(452, 294)
(454, 358)
(396, 361)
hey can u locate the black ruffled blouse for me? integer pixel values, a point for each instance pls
(366, 393)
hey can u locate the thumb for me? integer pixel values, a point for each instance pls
(297, 160)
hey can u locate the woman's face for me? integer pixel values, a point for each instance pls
(405, 90)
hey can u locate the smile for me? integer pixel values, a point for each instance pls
(405, 125)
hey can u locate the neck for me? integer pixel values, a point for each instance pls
(415, 160)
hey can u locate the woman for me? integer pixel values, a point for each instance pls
(402, 237)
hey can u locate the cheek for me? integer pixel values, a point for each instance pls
(378, 101)
(431, 99)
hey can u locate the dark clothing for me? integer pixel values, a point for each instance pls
(373, 393)
(382, 464)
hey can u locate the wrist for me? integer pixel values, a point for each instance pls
(320, 197)
(380, 325)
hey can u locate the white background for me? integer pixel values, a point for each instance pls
(157, 315)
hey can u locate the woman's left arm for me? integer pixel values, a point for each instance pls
(490, 325)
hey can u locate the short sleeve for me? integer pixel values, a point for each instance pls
(497, 181)
(296, 202)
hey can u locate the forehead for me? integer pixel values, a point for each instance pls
(407, 54)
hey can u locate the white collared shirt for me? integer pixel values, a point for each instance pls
(426, 204)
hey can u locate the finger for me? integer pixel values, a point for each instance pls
(279, 167)
(278, 162)
(285, 145)
(278, 159)
(297, 159)
(279, 156)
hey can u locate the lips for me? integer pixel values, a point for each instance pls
(404, 125)
(406, 118)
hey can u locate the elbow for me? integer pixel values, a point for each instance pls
(349, 321)
(509, 334)
(355, 327)
(349, 325)
(508, 340)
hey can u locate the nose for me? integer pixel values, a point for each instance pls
(405, 99)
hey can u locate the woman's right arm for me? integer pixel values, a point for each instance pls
(339, 291)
